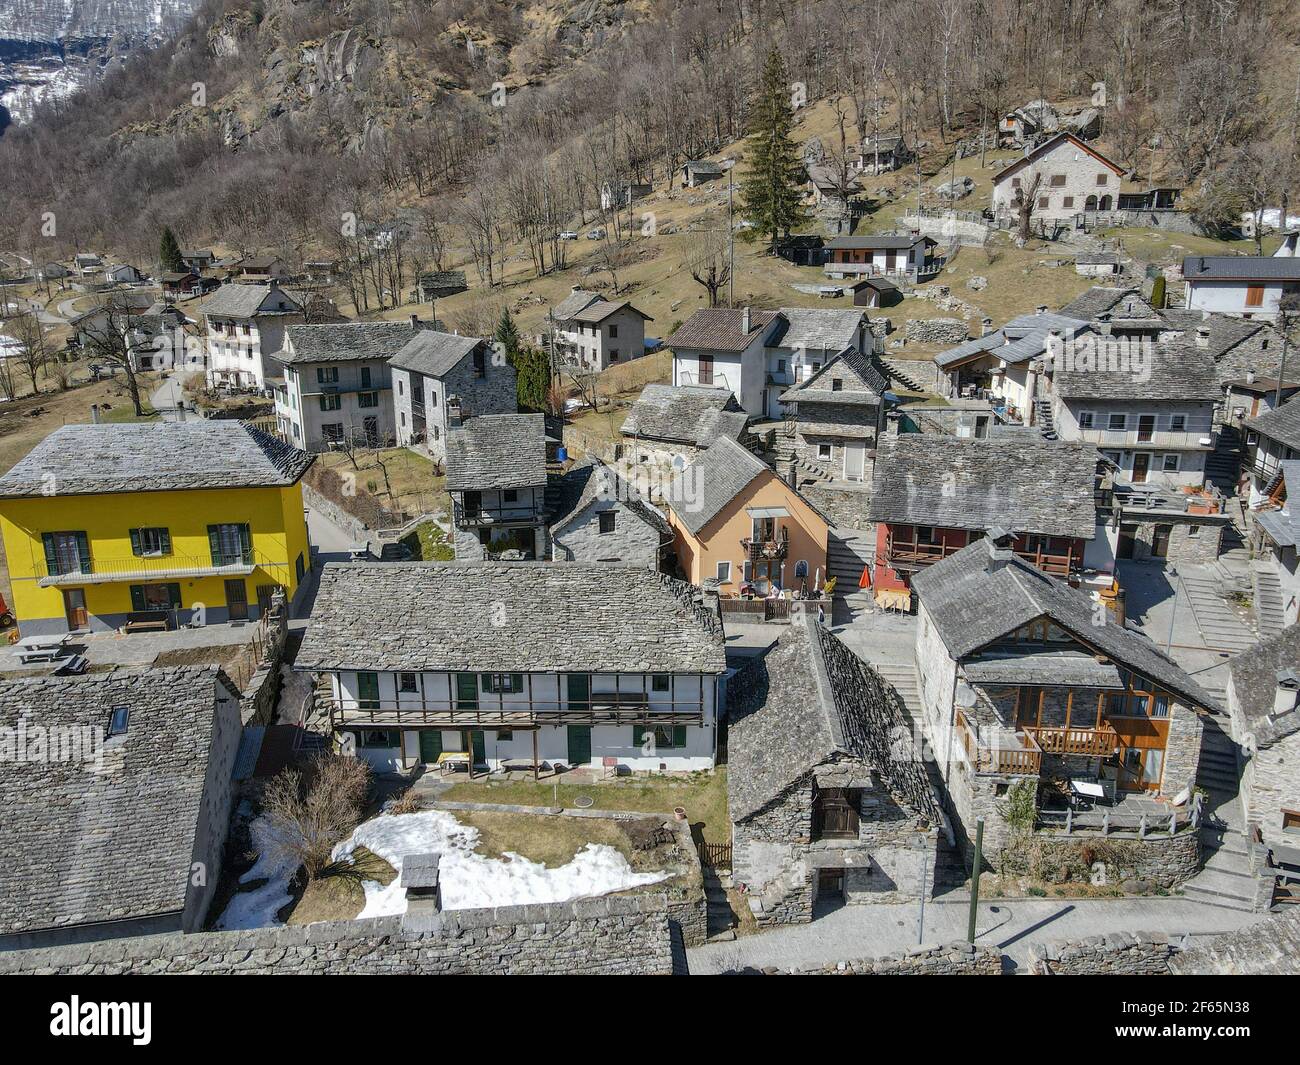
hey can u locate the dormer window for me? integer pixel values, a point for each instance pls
(117, 721)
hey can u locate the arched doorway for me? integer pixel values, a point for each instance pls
(1090, 204)
(1105, 202)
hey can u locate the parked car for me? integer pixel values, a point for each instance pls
(568, 234)
(596, 234)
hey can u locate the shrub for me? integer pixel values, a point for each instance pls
(312, 808)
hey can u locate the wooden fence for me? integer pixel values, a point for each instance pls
(715, 855)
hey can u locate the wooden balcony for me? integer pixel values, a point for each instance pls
(1095, 742)
(1024, 759)
(603, 708)
(906, 555)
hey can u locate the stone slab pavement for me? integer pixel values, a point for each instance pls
(874, 929)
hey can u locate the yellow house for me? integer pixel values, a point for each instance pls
(736, 522)
(173, 522)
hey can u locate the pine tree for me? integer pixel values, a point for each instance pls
(769, 194)
(532, 378)
(507, 334)
(169, 252)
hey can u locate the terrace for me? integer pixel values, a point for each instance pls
(911, 552)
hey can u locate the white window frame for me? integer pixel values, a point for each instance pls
(724, 573)
(1164, 462)
(1174, 427)
(1087, 419)
(1111, 427)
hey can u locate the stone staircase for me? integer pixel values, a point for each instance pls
(901, 376)
(721, 920)
(789, 466)
(1043, 419)
(1223, 464)
(1220, 627)
(848, 551)
(1225, 878)
(1270, 612)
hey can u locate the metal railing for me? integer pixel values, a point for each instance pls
(765, 550)
(152, 567)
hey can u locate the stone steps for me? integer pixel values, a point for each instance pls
(1220, 628)
(1270, 610)
(1220, 888)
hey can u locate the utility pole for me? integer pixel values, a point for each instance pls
(975, 879)
(925, 869)
(731, 242)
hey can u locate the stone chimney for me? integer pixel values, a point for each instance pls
(1202, 336)
(454, 417)
(1284, 695)
(986, 326)
(420, 878)
(744, 321)
(999, 542)
(1250, 377)
(415, 323)
(1041, 309)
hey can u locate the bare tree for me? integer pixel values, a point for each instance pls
(709, 263)
(311, 809)
(1024, 203)
(108, 335)
(32, 346)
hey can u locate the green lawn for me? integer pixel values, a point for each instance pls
(428, 543)
(703, 795)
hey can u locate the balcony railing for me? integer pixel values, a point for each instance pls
(496, 514)
(602, 708)
(765, 550)
(913, 554)
(152, 568)
(1097, 742)
(1189, 438)
(1022, 757)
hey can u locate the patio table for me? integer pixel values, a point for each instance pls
(41, 648)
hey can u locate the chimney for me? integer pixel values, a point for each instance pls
(1284, 695)
(1250, 377)
(744, 321)
(1202, 336)
(420, 878)
(454, 419)
(415, 323)
(1041, 309)
(986, 326)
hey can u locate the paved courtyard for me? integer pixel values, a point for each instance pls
(872, 930)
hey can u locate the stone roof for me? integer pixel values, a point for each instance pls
(80, 845)
(719, 329)
(155, 457)
(433, 352)
(1254, 679)
(1099, 299)
(1223, 332)
(1241, 268)
(1070, 669)
(344, 341)
(817, 329)
(1026, 486)
(1281, 423)
(981, 594)
(575, 301)
(888, 241)
(702, 166)
(1020, 340)
(808, 702)
(686, 414)
(1269, 947)
(1120, 370)
(699, 493)
(496, 451)
(244, 301)
(864, 387)
(519, 616)
(590, 479)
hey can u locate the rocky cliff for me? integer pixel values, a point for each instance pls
(50, 48)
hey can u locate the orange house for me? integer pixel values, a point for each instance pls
(736, 522)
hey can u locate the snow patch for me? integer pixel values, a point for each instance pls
(258, 907)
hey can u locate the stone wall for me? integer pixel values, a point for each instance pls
(1192, 542)
(1136, 865)
(613, 936)
(1114, 954)
(336, 515)
(1182, 750)
(952, 959)
(957, 227)
(947, 331)
(633, 542)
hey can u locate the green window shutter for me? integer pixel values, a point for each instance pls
(174, 595)
(137, 597)
(679, 735)
(246, 544)
(214, 543)
(485, 679)
(638, 735)
(51, 554)
(165, 536)
(466, 691)
(516, 682)
(136, 548)
(83, 551)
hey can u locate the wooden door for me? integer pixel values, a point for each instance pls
(706, 370)
(478, 749)
(1160, 541)
(74, 608)
(579, 744)
(579, 685)
(855, 460)
(430, 745)
(1141, 466)
(1146, 426)
(368, 691)
(237, 600)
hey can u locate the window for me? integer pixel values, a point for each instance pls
(505, 735)
(613, 331)
(332, 432)
(824, 452)
(1015, 183)
(1290, 821)
(1102, 179)
(480, 363)
(608, 520)
(367, 399)
(66, 552)
(150, 541)
(231, 545)
(148, 597)
(666, 737)
(724, 572)
(378, 737)
(837, 384)
(661, 682)
(503, 683)
(1058, 181)
(408, 682)
(331, 402)
(401, 388)
(1170, 463)
(1085, 419)
(1254, 295)
(118, 720)
(1193, 531)
(1178, 423)
(780, 365)
(365, 377)
(706, 370)
(327, 375)
(510, 495)
(1043, 203)
(1117, 422)
(1067, 202)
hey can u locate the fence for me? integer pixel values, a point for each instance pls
(715, 855)
(764, 610)
(1108, 822)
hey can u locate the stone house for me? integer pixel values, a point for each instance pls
(600, 517)
(808, 340)
(1175, 527)
(1251, 286)
(1275, 539)
(881, 154)
(835, 416)
(1029, 683)
(335, 383)
(878, 255)
(594, 333)
(1263, 685)
(1065, 176)
(696, 172)
(669, 425)
(516, 665)
(1271, 439)
(497, 479)
(108, 838)
(737, 525)
(932, 495)
(245, 327)
(432, 369)
(828, 802)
